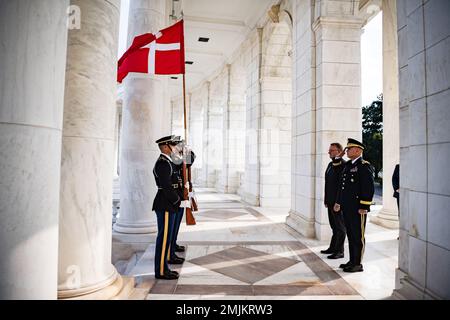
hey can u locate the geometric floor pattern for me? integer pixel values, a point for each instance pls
(237, 252)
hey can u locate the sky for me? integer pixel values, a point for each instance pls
(371, 54)
(372, 60)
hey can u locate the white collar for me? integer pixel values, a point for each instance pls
(354, 160)
(165, 155)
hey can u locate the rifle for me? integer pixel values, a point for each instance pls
(193, 201)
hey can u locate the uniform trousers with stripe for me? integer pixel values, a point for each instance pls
(166, 222)
(355, 224)
(176, 229)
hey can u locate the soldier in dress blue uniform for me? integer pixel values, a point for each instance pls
(354, 199)
(332, 184)
(166, 205)
(174, 247)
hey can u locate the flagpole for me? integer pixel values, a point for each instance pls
(185, 112)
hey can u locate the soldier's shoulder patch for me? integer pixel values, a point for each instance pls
(365, 162)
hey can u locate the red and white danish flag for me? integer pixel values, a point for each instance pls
(161, 53)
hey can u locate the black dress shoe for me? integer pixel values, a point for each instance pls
(336, 256)
(167, 276)
(328, 251)
(174, 272)
(176, 260)
(345, 265)
(357, 268)
(180, 248)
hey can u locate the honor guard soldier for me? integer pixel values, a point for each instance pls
(332, 183)
(174, 247)
(166, 205)
(354, 199)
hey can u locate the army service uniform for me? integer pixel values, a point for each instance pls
(356, 192)
(166, 205)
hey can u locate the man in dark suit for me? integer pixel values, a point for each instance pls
(354, 199)
(396, 185)
(166, 205)
(336, 219)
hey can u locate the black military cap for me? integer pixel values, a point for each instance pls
(354, 143)
(166, 140)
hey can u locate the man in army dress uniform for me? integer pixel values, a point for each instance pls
(354, 199)
(189, 158)
(166, 205)
(336, 219)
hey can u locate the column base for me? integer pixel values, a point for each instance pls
(142, 228)
(301, 225)
(323, 231)
(251, 199)
(409, 290)
(104, 290)
(386, 218)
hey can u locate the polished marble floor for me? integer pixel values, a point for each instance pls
(240, 252)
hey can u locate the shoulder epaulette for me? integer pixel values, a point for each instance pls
(365, 162)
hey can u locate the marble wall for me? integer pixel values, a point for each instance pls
(31, 114)
(424, 72)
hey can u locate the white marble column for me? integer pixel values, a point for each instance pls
(388, 216)
(251, 193)
(214, 130)
(88, 155)
(146, 118)
(327, 104)
(196, 131)
(206, 135)
(31, 111)
(233, 130)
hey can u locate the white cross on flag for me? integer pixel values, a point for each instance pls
(162, 53)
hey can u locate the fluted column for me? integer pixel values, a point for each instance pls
(146, 117)
(31, 111)
(85, 267)
(388, 216)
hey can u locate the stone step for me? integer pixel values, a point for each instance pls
(127, 289)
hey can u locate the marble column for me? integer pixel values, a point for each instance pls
(388, 216)
(85, 268)
(234, 130)
(196, 132)
(206, 135)
(327, 104)
(146, 118)
(252, 179)
(31, 113)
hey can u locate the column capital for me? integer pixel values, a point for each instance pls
(348, 22)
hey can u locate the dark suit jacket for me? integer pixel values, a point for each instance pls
(396, 180)
(332, 178)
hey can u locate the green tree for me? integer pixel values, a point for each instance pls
(373, 134)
